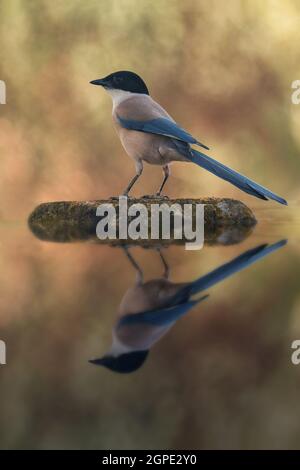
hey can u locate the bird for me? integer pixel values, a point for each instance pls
(149, 134)
(149, 309)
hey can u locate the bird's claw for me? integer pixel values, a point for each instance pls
(154, 196)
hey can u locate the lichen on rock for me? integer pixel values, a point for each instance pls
(227, 221)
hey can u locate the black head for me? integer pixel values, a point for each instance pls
(125, 363)
(123, 80)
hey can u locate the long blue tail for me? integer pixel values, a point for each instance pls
(233, 177)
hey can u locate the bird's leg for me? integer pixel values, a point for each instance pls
(167, 172)
(139, 272)
(139, 170)
(165, 264)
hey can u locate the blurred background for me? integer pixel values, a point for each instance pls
(222, 378)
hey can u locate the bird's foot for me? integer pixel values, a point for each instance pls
(116, 198)
(162, 196)
(148, 196)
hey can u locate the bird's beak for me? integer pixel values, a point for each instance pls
(100, 81)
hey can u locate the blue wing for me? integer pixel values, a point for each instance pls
(160, 126)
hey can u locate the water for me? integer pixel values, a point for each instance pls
(218, 374)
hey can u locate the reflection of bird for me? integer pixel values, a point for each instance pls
(149, 309)
(149, 134)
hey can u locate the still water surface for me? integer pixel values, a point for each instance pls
(207, 343)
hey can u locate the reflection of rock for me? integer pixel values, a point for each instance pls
(227, 221)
